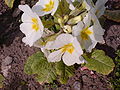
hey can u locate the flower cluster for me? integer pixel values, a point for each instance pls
(78, 29)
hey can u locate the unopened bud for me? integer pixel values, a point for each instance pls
(67, 29)
(60, 21)
(75, 20)
(66, 18)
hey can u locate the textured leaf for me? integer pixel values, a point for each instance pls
(1, 79)
(48, 24)
(9, 3)
(64, 71)
(38, 64)
(100, 62)
(113, 15)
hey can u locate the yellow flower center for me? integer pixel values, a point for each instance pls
(69, 48)
(85, 33)
(49, 6)
(35, 24)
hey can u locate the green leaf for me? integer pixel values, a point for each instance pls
(38, 64)
(63, 8)
(9, 3)
(99, 62)
(112, 15)
(1, 79)
(64, 71)
(118, 53)
(48, 24)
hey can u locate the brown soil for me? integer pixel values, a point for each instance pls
(14, 54)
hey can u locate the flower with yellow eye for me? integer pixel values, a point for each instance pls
(67, 48)
(98, 8)
(32, 26)
(43, 7)
(88, 35)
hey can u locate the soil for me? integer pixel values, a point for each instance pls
(13, 54)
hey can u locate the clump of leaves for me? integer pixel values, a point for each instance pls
(99, 62)
(116, 78)
(47, 72)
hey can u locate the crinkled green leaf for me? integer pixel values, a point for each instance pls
(38, 64)
(48, 24)
(100, 62)
(113, 15)
(64, 71)
(9, 3)
(1, 79)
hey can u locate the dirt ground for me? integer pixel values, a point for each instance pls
(13, 54)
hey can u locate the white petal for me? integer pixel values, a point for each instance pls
(46, 52)
(56, 3)
(97, 27)
(55, 56)
(77, 28)
(38, 10)
(26, 28)
(71, 7)
(61, 40)
(70, 59)
(25, 9)
(87, 19)
(26, 18)
(32, 38)
(77, 46)
(88, 45)
(49, 44)
(100, 7)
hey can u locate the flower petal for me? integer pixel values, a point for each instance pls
(77, 46)
(26, 28)
(26, 9)
(77, 28)
(100, 7)
(32, 38)
(56, 3)
(61, 40)
(70, 59)
(55, 56)
(45, 51)
(38, 10)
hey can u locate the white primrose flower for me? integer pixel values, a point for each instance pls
(32, 26)
(98, 8)
(43, 7)
(67, 48)
(72, 7)
(87, 35)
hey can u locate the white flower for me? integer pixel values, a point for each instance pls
(87, 35)
(98, 8)
(32, 26)
(72, 7)
(66, 47)
(43, 7)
